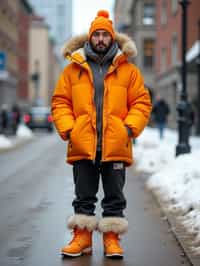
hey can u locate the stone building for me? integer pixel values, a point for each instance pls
(9, 70)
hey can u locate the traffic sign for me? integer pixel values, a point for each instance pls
(2, 60)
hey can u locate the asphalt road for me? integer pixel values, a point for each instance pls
(35, 200)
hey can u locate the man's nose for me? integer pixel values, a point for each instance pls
(100, 37)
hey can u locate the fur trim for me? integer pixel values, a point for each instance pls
(82, 221)
(73, 44)
(126, 44)
(113, 224)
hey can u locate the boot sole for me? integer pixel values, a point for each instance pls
(86, 251)
(114, 256)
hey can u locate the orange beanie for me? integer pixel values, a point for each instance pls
(102, 22)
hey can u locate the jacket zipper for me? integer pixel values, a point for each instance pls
(91, 80)
(105, 122)
(100, 69)
(93, 103)
(94, 128)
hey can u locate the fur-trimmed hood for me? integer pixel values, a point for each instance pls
(126, 45)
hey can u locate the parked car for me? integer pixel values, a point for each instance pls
(39, 117)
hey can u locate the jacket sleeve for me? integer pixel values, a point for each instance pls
(61, 106)
(139, 104)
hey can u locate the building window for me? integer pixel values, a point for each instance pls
(174, 49)
(164, 12)
(174, 4)
(149, 14)
(149, 51)
(163, 59)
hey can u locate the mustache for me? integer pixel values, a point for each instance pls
(101, 43)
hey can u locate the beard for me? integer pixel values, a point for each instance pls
(101, 48)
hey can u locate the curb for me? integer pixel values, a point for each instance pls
(178, 231)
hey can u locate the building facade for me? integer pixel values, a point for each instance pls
(39, 62)
(25, 15)
(169, 50)
(138, 20)
(58, 15)
(43, 63)
(9, 71)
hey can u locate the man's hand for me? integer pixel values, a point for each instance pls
(129, 131)
(68, 134)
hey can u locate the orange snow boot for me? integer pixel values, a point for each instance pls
(112, 247)
(79, 245)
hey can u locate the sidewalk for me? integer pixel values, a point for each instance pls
(150, 240)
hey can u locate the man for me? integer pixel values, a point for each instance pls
(99, 105)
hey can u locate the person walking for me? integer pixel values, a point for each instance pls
(160, 113)
(16, 117)
(4, 119)
(99, 104)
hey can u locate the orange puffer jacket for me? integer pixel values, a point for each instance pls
(125, 102)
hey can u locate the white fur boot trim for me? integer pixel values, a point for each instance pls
(82, 221)
(117, 225)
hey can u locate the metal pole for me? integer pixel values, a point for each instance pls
(184, 49)
(184, 108)
(198, 84)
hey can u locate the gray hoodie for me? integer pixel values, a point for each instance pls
(99, 67)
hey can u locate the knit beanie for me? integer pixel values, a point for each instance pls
(102, 22)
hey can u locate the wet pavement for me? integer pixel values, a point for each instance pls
(36, 191)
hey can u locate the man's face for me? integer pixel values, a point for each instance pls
(101, 41)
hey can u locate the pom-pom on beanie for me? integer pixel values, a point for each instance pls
(102, 22)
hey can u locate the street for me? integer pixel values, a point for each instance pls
(35, 201)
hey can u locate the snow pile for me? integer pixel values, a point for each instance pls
(152, 154)
(174, 180)
(5, 142)
(24, 132)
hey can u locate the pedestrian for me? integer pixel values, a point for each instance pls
(4, 118)
(99, 104)
(160, 114)
(16, 117)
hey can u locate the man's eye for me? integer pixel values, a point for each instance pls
(105, 34)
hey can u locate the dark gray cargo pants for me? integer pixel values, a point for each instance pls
(86, 179)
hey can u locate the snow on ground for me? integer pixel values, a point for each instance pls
(5, 142)
(23, 133)
(174, 180)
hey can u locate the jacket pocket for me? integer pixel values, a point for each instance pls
(117, 141)
(80, 143)
(116, 131)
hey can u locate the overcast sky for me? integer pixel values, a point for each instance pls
(84, 11)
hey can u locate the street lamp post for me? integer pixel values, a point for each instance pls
(184, 108)
(198, 80)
